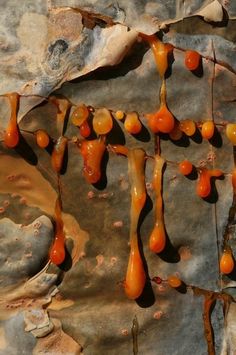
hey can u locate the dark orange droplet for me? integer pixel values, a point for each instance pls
(161, 121)
(92, 153)
(57, 253)
(85, 130)
(226, 262)
(204, 183)
(185, 167)
(192, 59)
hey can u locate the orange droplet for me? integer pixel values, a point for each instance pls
(231, 132)
(102, 121)
(226, 262)
(85, 130)
(42, 138)
(92, 153)
(174, 281)
(11, 137)
(161, 121)
(157, 240)
(132, 123)
(188, 127)
(135, 276)
(208, 129)
(185, 167)
(204, 184)
(192, 59)
(79, 115)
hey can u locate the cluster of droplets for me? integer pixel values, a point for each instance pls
(101, 121)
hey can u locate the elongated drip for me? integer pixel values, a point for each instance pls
(119, 149)
(161, 52)
(11, 137)
(135, 276)
(63, 106)
(92, 152)
(57, 252)
(208, 331)
(157, 239)
(58, 153)
(204, 181)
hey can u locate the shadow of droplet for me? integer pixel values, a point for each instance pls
(199, 71)
(147, 298)
(116, 135)
(213, 197)
(170, 254)
(216, 140)
(64, 162)
(182, 142)
(197, 137)
(26, 152)
(193, 175)
(67, 263)
(143, 135)
(102, 183)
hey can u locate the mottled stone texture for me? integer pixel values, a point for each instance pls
(82, 305)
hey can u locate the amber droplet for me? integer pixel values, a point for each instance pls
(102, 121)
(80, 115)
(192, 60)
(208, 129)
(132, 123)
(185, 167)
(231, 132)
(42, 138)
(226, 262)
(188, 127)
(174, 281)
(119, 115)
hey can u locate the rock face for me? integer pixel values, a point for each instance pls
(91, 52)
(24, 249)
